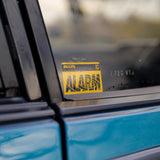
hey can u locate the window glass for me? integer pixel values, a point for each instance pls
(119, 37)
(9, 86)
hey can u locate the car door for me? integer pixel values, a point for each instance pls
(28, 129)
(99, 71)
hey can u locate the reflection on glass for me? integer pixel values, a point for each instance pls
(123, 35)
(100, 21)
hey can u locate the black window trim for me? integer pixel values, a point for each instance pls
(10, 113)
(74, 108)
(20, 49)
(41, 50)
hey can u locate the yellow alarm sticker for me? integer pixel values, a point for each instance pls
(82, 77)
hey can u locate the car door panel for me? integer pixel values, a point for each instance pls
(107, 135)
(37, 140)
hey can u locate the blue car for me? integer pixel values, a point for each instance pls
(79, 80)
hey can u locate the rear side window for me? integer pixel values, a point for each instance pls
(8, 81)
(104, 48)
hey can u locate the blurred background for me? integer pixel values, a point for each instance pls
(101, 21)
(123, 35)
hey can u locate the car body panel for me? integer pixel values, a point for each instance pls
(34, 140)
(103, 136)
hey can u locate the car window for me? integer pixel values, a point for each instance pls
(104, 47)
(8, 81)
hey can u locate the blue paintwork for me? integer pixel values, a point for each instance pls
(105, 136)
(30, 141)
